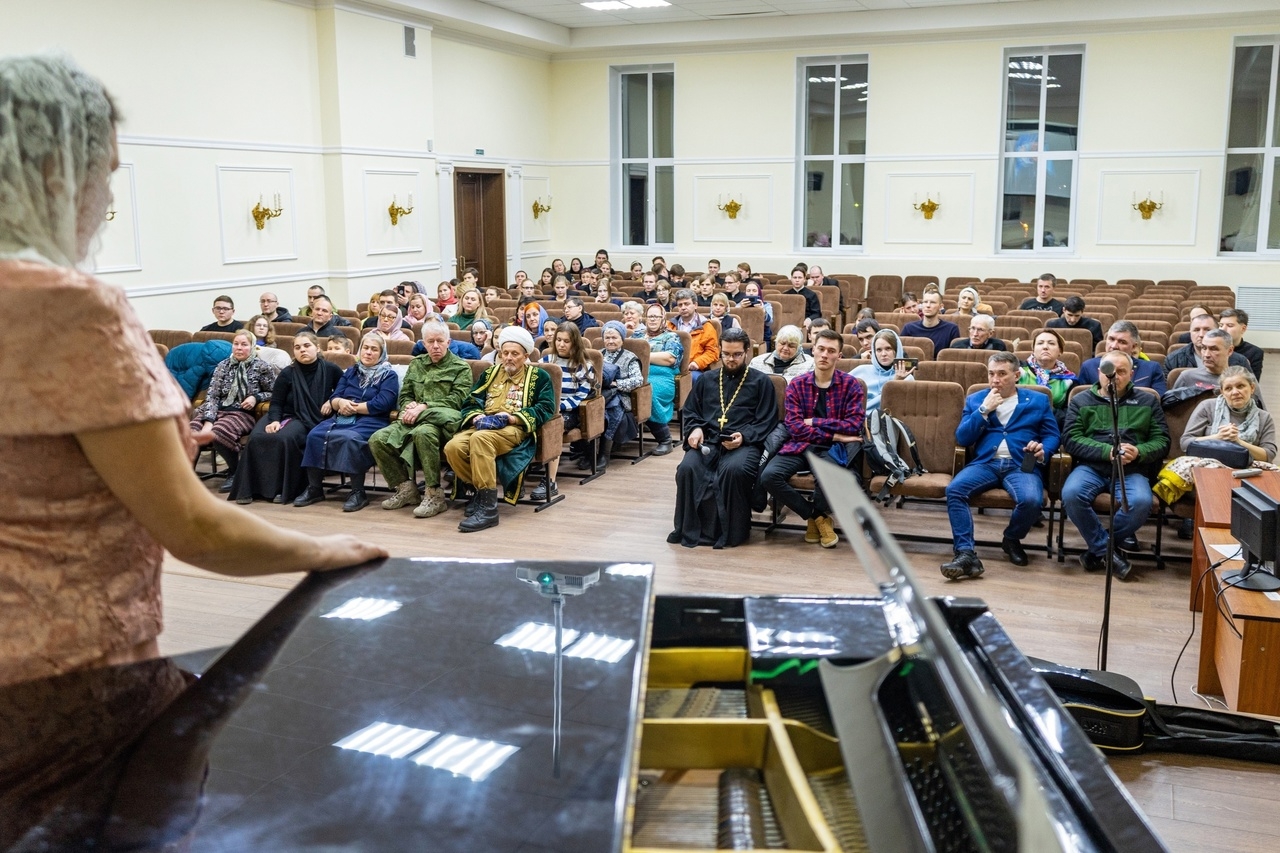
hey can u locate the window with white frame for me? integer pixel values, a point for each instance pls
(1041, 130)
(1252, 177)
(644, 155)
(833, 151)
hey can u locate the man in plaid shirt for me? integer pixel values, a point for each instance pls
(824, 413)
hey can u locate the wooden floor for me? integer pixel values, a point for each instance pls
(1052, 610)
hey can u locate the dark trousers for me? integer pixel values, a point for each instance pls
(776, 480)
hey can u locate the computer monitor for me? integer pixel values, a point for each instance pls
(1255, 516)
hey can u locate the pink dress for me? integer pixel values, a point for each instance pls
(79, 576)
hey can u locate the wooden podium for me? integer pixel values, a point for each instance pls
(1213, 510)
(1242, 667)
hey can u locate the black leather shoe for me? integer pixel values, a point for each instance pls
(674, 537)
(1093, 563)
(663, 448)
(1014, 551)
(1187, 528)
(965, 565)
(356, 501)
(1120, 566)
(309, 497)
(227, 484)
(486, 514)
(541, 493)
(1128, 543)
(245, 501)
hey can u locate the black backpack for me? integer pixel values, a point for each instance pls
(882, 437)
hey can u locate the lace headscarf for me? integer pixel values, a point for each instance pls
(56, 132)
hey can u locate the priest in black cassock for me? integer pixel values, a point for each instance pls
(727, 418)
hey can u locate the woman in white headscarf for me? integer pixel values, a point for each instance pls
(98, 479)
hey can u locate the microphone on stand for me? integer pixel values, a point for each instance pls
(1107, 369)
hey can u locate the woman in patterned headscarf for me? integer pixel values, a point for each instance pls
(239, 384)
(361, 405)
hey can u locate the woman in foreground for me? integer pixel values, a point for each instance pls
(97, 490)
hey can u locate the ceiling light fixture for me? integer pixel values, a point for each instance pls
(620, 5)
(607, 6)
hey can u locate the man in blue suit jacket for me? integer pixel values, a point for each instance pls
(1002, 425)
(1124, 337)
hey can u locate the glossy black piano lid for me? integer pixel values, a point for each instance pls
(472, 768)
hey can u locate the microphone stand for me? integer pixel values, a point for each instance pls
(1117, 476)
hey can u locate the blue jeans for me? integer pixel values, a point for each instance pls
(1027, 491)
(1083, 485)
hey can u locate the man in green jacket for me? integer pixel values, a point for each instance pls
(430, 406)
(499, 433)
(1144, 441)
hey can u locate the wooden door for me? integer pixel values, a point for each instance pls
(480, 217)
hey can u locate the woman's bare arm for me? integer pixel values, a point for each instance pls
(145, 465)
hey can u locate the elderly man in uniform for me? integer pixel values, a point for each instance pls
(727, 418)
(430, 405)
(500, 421)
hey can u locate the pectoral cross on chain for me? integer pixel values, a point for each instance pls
(723, 419)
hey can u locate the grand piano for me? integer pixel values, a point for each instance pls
(536, 706)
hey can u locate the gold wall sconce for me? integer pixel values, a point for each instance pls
(732, 208)
(111, 214)
(395, 211)
(929, 207)
(1147, 207)
(539, 208)
(262, 214)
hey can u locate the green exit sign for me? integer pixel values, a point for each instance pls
(479, 152)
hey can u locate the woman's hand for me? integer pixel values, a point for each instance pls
(273, 428)
(249, 403)
(326, 409)
(1229, 432)
(342, 550)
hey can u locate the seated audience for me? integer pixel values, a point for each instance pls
(931, 325)
(239, 384)
(665, 354)
(324, 324)
(1196, 311)
(577, 383)
(1044, 367)
(967, 302)
(637, 271)
(446, 299)
(726, 419)
(733, 286)
(1043, 300)
(720, 311)
(824, 410)
(1189, 356)
(788, 359)
(498, 435)
(817, 278)
(675, 277)
(662, 296)
(305, 311)
(224, 319)
(622, 375)
(385, 299)
(703, 289)
(1215, 351)
(865, 329)
(544, 280)
(576, 268)
(888, 363)
(586, 284)
(361, 405)
(815, 327)
(560, 288)
(1144, 440)
(390, 326)
(558, 268)
(532, 318)
(264, 333)
(1235, 416)
(575, 314)
(632, 317)
(430, 406)
(1235, 323)
(529, 288)
(1002, 425)
(705, 345)
(910, 303)
(471, 307)
(649, 287)
(482, 338)
(605, 299)
(1073, 318)
(271, 308)
(420, 311)
(981, 329)
(799, 285)
(342, 344)
(751, 298)
(1124, 337)
(271, 464)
